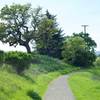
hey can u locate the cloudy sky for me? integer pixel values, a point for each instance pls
(71, 14)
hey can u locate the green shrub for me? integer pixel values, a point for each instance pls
(19, 60)
(1, 57)
(97, 62)
(34, 95)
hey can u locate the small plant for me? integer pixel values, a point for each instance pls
(34, 95)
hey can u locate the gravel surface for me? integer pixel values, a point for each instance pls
(59, 90)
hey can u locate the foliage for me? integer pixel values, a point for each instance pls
(77, 52)
(50, 39)
(14, 23)
(97, 62)
(45, 64)
(89, 41)
(2, 54)
(34, 95)
(19, 60)
(95, 72)
(22, 25)
(19, 24)
(91, 45)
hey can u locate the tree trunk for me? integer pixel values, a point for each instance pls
(28, 48)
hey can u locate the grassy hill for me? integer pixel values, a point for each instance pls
(86, 84)
(32, 84)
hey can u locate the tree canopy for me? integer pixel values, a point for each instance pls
(77, 52)
(19, 24)
(89, 41)
(50, 39)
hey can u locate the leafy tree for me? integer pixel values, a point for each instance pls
(76, 52)
(51, 39)
(19, 24)
(89, 41)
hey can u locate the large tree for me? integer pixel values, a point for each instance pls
(89, 41)
(19, 24)
(77, 52)
(51, 39)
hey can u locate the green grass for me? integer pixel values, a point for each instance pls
(34, 82)
(14, 87)
(86, 85)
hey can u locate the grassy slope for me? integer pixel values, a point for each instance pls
(37, 78)
(86, 85)
(14, 87)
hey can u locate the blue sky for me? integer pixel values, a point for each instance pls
(71, 14)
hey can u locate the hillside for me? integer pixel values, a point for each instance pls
(33, 83)
(86, 84)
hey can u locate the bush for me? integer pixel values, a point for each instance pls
(34, 95)
(97, 62)
(2, 57)
(19, 60)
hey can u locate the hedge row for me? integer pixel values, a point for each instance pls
(19, 60)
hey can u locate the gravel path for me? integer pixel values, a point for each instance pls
(59, 90)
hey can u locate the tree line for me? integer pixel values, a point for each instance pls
(23, 25)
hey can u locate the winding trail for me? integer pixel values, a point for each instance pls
(59, 90)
